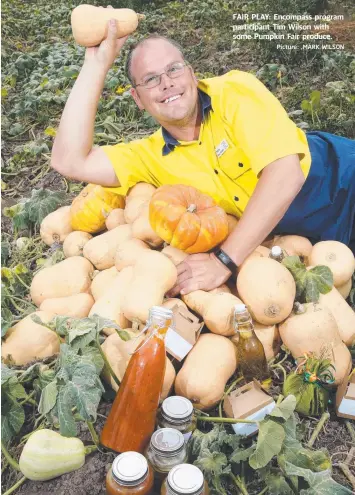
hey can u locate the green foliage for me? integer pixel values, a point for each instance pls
(12, 412)
(309, 385)
(309, 283)
(32, 211)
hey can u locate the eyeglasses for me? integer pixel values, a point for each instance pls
(176, 70)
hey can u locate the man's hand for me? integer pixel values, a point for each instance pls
(199, 272)
(106, 53)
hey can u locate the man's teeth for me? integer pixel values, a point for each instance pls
(172, 98)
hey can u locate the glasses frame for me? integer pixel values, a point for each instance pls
(185, 64)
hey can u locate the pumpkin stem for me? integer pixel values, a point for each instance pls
(192, 208)
(141, 17)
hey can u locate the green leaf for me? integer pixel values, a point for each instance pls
(276, 482)
(6, 320)
(211, 462)
(324, 278)
(43, 202)
(285, 409)
(48, 398)
(92, 355)
(241, 455)
(315, 99)
(320, 483)
(270, 439)
(65, 403)
(12, 418)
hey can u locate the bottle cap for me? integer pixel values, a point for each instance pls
(239, 308)
(167, 441)
(130, 468)
(186, 479)
(276, 251)
(177, 408)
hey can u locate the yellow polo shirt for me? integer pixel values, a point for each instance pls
(246, 129)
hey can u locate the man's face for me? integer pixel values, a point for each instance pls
(153, 58)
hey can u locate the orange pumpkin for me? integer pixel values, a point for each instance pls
(90, 209)
(187, 219)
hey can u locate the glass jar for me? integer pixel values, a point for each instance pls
(167, 448)
(185, 479)
(130, 474)
(177, 412)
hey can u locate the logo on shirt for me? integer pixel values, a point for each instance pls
(221, 148)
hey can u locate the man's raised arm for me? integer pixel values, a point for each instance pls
(73, 154)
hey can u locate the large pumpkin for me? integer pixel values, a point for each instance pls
(90, 209)
(187, 219)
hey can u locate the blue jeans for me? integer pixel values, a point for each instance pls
(324, 209)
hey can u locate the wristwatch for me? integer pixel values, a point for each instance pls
(227, 261)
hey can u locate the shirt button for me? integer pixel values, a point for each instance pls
(200, 142)
(236, 198)
(215, 171)
(240, 164)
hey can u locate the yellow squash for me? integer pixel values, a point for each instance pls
(90, 209)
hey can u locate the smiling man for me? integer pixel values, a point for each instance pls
(228, 136)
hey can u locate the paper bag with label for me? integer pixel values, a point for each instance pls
(345, 398)
(180, 341)
(248, 402)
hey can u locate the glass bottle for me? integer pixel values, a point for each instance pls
(130, 474)
(185, 479)
(276, 254)
(167, 448)
(133, 415)
(177, 412)
(250, 351)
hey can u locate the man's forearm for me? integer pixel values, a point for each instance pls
(74, 137)
(278, 186)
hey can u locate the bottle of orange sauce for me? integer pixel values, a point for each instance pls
(132, 418)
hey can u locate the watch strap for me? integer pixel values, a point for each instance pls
(226, 260)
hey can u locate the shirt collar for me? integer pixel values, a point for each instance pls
(169, 141)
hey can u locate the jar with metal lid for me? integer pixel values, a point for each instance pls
(130, 474)
(185, 479)
(177, 412)
(167, 449)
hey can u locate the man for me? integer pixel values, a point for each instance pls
(228, 136)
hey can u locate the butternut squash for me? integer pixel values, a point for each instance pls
(74, 243)
(76, 306)
(101, 250)
(115, 218)
(344, 290)
(294, 245)
(141, 228)
(315, 330)
(102, 281)
(269, 336)
(28, 341)
(141, 189)
(267, 288)
(89, 23)
(337, 256)
(173, 301)
(153, 275)
(56, 226)
(176, 255)
(206, 370)
(128, 252)
(343, 314)
(216, 309)
(110, 303)
(69, 277)
(134, 206)
(118, 354)
(259, 252)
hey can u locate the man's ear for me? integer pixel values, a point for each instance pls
(136, 98)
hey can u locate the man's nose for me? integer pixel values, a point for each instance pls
(166, 81)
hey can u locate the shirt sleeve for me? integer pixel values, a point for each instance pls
(127, 164)
(261, 124)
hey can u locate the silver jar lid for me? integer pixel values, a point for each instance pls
(177, 408)
(130, 468)
(167, 441)
(276, 251)
(186, 479)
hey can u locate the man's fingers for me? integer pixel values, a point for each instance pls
(182, 267)
(190, 285)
